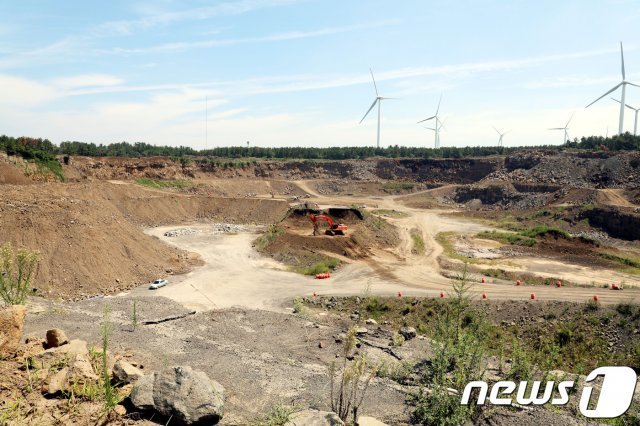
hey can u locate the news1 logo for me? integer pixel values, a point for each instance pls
(618, 387)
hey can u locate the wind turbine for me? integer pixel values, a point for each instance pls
(565, 128)
(635, 123)
(500, 143)
(378, 100)
(436, 128)
(622, 84)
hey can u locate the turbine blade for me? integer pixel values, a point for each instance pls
(570, 118)
(556, 128)
(369, 110)
(630, 107)
(430, 128)
(375, 86)
(439, 101)
(626, 82)
(508, 131)
(622, 60)
(614, 99)
(426, 119)
(612, 90)
(497, 131)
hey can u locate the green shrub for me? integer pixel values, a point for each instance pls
(16, 273)
(155, 183)
(320, 267)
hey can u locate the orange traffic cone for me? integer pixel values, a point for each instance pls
(518, 282)
(484, 296)
(595, 298)
(533, 296)
(483, 280)
(559, 284)
(399, 295)
(442, 295)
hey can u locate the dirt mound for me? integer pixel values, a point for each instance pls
(89, 235)
(86, 245)
(10, 173)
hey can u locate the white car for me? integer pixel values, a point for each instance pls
(158, 283)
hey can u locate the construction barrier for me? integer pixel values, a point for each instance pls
(323, 276)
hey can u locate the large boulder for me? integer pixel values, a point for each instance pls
(311, 417)
(68, 365)
(11, 325)
(181, 393)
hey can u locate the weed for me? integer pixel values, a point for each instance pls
(320, 267)
(111, 397)
(349, 387)
(278, 415)
(418, 241)
(16, 273)
(397, 340)
(134, 315)
(271, 234)
(624, 309)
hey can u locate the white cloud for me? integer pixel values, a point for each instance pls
(20, 92)
(87, 80)
(291, 35)
(126, 27)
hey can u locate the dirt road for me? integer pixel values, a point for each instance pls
(235, 275)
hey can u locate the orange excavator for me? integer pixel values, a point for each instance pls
(333, 229)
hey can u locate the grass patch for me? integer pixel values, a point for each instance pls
(622, 260)
(507, 238)
(320, 267)
(542, 230)
(390, 213)
(418, 241)
(398, 186)
(162, 184)
(270, 235)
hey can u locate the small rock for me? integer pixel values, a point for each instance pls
(311, 417)
(120, 410)
(354, 317)
(371, 321)
(55, 338)
(361, 330)
(340, 337)
(321, 344)
(408, 332)
(125, 372)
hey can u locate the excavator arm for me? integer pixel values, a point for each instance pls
(333, 228)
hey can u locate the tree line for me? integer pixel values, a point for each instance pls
(43, 150)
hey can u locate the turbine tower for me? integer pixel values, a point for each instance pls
(501, 134)
(635, 123)
(436, 128)
(378, 100)
(565, 128)
(622, 84)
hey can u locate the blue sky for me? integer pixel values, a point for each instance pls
(296, 72)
